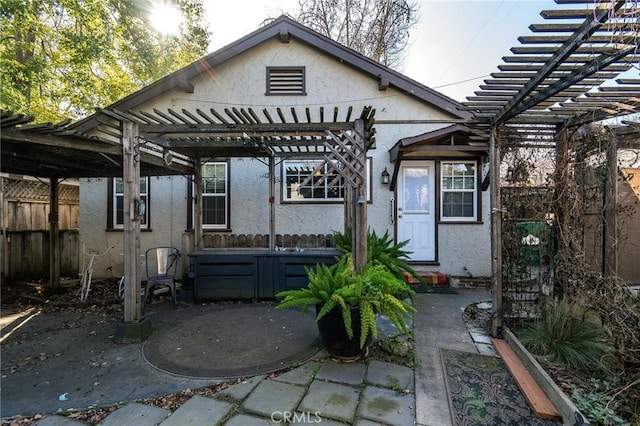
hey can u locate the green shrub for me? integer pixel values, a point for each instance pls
(375, 290)
(380, 251)
(564, 338)
(597, 404)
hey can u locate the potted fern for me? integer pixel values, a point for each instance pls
(347, 303)
(381, 250)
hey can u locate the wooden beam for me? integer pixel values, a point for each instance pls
(272, 204)
(586, 29)
(252, 129)
(610, 237)
(360, 225)
(496, 233)
(131, 234)
(60, 141)
(197, 204)
(54, 235)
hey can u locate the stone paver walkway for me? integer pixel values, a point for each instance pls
(320, 391)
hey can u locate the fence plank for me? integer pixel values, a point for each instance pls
(28, 254)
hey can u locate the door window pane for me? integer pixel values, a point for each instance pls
(416, 189)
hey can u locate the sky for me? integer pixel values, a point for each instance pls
(455, 45)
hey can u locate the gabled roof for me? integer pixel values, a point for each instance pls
(456, 137)
(285, 28)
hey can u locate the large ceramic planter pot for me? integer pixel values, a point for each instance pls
(335, 338)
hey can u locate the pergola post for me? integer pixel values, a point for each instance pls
(272, 204)
(135, 327)
(54, 234)
(360, 199)
(496, 233)
(610, 240)
(349, 207)
(561, 198)
(197, 204)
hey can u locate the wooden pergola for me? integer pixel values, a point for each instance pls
(130, 143)
(554, 82)
(558, 80)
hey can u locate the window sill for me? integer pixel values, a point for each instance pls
(293, 203)
(122, 230)
(460, 222)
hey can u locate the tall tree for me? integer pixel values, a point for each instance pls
(378, 29)
(64, 58)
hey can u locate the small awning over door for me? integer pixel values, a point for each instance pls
(451, 141)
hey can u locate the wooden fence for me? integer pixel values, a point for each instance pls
(25, 226)
(28, 255)
(218, 240)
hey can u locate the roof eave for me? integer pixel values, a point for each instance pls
(283, 28)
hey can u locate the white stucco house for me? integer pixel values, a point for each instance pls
(434, 197)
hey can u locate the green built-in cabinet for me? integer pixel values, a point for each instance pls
(224, 274)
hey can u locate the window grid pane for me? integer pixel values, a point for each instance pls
(297, 172)
(458, 190)
(118, 201)
(214, 194)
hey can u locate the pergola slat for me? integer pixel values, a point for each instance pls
(192, 116)
(219, 116)
(204, 115)
(166, 117)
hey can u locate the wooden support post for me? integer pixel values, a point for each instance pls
(135, 327)
(496, 233)
(272, 204)
(610, 238)
(348, 209)
(561, 200)
(131, 243)
(54, 233)
(4, 244)
(360, 216)
(197, 204)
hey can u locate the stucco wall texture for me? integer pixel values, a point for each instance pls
(240, 82)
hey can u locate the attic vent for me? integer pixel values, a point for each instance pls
(285, 81)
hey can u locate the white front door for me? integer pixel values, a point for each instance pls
(416, 209)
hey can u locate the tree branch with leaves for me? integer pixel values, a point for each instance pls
(378, 29)
(64, 58)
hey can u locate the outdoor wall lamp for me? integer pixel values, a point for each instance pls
(139, 207)
(385, 177)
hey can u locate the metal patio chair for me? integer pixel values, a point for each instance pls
(161, 264)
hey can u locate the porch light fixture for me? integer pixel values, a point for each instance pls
(361, 199)
(385, 177)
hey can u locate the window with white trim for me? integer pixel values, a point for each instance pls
(319, 188)
(117, 213)
(215, 195)
(459, 185)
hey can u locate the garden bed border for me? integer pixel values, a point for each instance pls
(563, 404)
